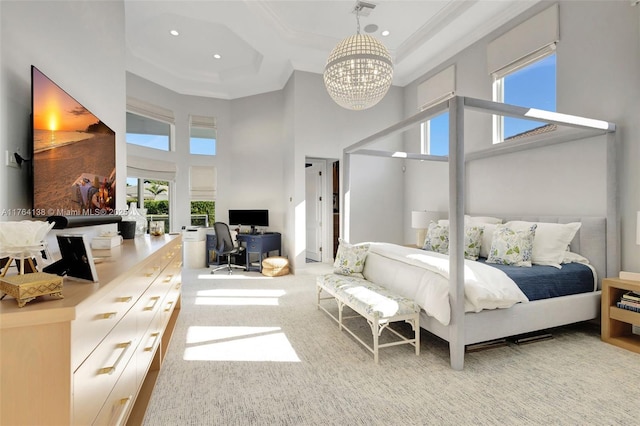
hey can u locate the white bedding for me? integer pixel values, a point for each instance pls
(485, 287)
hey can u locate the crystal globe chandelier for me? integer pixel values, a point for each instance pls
(359, 70)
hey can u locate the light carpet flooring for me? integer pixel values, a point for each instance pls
(252, 350)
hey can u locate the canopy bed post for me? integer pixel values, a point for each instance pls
(456, 238)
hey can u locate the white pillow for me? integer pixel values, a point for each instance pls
(487, 236)
(482, 220)
(571, 257)
(551, 240)
(475, 220)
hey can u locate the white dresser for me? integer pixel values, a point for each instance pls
(92, 357)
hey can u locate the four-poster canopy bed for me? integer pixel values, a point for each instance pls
(597, 240)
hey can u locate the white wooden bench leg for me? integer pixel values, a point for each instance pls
(318, 293)
(340, 306)
(415, 325)
(376, 333)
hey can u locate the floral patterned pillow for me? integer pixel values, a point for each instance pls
(512, 247)
(350, 258)
(437, 238)
(472, 241)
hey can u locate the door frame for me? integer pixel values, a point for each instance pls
(327, 208)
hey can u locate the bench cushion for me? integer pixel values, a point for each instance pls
(365, 296)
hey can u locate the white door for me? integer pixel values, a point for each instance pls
(314, 211)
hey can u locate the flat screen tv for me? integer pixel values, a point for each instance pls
(73, 154)
(251, 218)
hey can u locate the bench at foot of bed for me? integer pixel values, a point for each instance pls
(379, 306)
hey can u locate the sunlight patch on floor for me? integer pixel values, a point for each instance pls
(238, 297)
(212, 343)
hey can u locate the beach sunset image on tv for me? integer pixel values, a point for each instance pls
(73, 154)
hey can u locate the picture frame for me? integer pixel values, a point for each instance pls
(77, 261)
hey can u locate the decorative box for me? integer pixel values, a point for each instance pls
(106, 242)
(26, 287)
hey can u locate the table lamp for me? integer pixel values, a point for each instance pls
(420, 221)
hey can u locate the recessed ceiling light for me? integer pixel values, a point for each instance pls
(174, 33)
(217, 56)
(385, 33)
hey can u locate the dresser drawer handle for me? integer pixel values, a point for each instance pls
(107, 315)
(110, 370)
(168, 278)
(178, 285)
(169, 305)
(125, 402)
(125, 299)
(153, 305)
(155, 339)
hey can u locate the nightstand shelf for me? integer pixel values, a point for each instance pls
(617, 323)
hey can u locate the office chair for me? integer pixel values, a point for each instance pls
(225, 246)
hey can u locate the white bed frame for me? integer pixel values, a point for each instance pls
(602, 245)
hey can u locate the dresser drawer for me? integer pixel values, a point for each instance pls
(98, 374)
(118, 405)
(96, 320)
(147, 348)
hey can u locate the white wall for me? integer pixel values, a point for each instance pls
(322, 129)
(598, 64)
(182, 107)
(82, 49)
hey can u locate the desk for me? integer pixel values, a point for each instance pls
(261, 244)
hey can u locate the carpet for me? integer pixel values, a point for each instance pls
(253, 350)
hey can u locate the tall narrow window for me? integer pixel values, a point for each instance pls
(202, 139)
(532, 85)
(202, 191)
(152, 197)
(434, 133)
(522, 63)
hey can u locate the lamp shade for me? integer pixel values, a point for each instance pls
(421, 219)
(359, 72)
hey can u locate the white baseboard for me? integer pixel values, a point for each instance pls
(632, 276)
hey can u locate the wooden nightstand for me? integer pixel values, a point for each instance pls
(617, 323)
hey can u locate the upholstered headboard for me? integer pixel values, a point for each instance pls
(591, 240)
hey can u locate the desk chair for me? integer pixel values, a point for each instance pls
(225, 246)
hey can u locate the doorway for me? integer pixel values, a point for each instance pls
(314, 182)
(322, 209)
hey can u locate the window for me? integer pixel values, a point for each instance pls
(531, 85)
(155, 198)
(434, 135)
(202, 191)
(202, 139)
(147, 132)
(522, 63)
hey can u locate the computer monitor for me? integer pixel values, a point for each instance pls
(250, 218)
